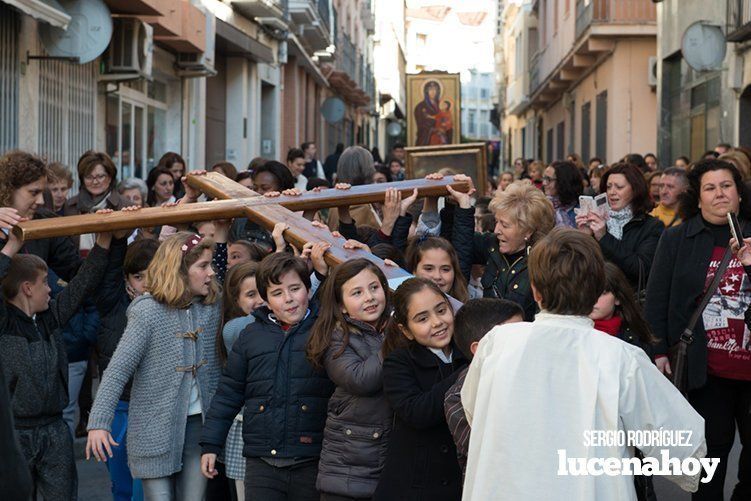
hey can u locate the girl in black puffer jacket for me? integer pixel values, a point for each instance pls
(346, 341)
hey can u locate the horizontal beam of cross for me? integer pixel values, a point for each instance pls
(302, 231)
(233, 200)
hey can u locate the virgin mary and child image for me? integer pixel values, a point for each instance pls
(433, 117)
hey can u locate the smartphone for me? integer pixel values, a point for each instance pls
(735, 228)
(586, 204)
(601, 204)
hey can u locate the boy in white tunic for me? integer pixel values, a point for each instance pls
(535, 389)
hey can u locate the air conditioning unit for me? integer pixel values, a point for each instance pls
(652, 75)
(130, 52)
(202, 63)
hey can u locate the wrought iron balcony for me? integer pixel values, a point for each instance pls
(534, 72)
(738, 20)
(346, 57)
(590, 12)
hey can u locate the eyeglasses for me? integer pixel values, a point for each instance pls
(548, 179)
(98, 179)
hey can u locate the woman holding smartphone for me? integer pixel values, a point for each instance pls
(719, 358)
(627, 234)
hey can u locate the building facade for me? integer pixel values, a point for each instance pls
(350, 74)
(457, 37)
(389, 67)
(213, 80)
(477, 106)
(698, 109)
(576, 79)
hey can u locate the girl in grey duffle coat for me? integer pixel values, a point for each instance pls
(168, 349)
(347, 341)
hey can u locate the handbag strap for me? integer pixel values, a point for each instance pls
(640, 286)
(688, 333)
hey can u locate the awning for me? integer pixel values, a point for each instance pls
(390, 109)
(48, 11)
(231, 41)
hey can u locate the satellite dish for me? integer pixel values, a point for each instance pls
(704, 46)
(88, 33)
(333, 110)
(394, 129)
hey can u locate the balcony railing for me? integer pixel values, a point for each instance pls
(323, 11)
(534, 72)
(346, 59)
(583, 16)
(370, 84)
(334, 20)
(738, 20)
(613, 12)
(360, 80)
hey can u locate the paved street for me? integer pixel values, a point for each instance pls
(93, 482)
(668, 491)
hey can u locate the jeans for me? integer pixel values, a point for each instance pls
(76, 373)
(264, 482)
(725, 403)
(240, 489)
(48, 450)
(124, 487)
(188, 484)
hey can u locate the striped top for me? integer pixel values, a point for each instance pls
(457, 420)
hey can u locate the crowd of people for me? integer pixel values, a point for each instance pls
(232, 365)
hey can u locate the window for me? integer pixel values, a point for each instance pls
(543, 19)
(518, 56)
(484, 93)
(560, 132)
(136, 128)
(691, 114)
(549, 147)
(9, 74)
(601, 123)
(471, 122)
(555, 16)
(534, 41)
(571, 113)
(67, 110)
(585, 147)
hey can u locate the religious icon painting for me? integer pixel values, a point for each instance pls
(434, 109)
(449, 160)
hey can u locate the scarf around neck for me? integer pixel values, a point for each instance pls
(610, 326)
(617, 220)
(88, 203)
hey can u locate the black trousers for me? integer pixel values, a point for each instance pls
(335, 497)
(264, 482)
(725, 404)
(48, 451)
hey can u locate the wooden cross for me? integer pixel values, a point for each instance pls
(235, 200)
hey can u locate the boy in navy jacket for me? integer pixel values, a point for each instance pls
(285, 398)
